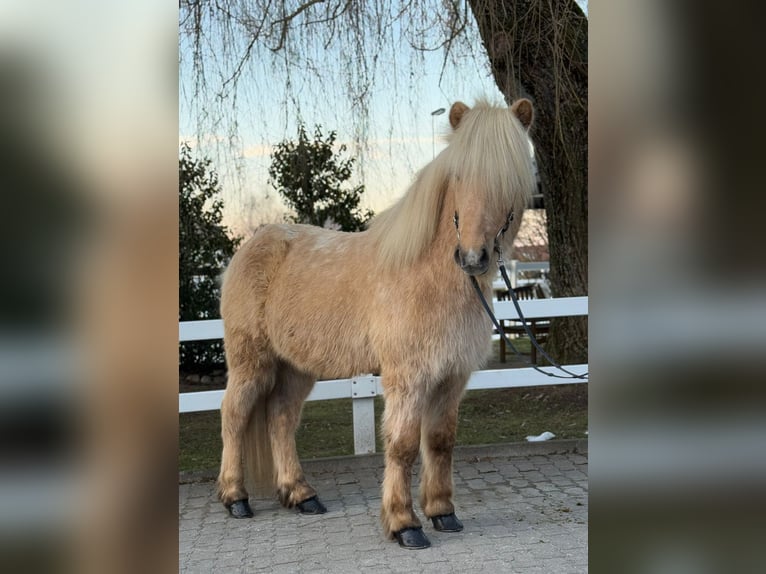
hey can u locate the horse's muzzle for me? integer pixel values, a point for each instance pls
(472, 262)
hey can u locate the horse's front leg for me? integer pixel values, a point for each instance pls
(401, 430)
(438, 435)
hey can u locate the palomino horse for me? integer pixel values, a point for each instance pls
(301, 303)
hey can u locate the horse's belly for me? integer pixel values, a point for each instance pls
(321, 328)
(324, 346)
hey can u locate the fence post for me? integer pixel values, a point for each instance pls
(363, 391)
(514, 273)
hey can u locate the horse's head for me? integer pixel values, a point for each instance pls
(491, 175)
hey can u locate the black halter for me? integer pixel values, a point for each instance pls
(504, 274)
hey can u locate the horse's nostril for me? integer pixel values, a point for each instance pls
(472, 262)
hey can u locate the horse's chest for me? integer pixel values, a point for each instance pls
(435, 328)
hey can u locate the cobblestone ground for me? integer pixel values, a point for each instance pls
(524, 510)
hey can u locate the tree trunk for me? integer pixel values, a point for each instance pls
(539, 50)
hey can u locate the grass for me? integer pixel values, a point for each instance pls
(486, 417)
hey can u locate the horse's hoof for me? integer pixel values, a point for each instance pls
(240, 509)
(412, 538)
(311, 506)
(447, 523)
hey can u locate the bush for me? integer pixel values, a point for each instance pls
(205, 247)
(312, 179)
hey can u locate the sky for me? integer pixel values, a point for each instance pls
(392, 133)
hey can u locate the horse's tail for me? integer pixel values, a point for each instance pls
(258, 457)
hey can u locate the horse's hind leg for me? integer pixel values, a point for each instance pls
(284, 412)
(251, 377)
(438, 441)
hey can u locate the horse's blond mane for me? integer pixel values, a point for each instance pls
(489, 152)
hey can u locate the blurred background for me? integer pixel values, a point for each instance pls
(677, 311)
(677, 324)
(89, 300)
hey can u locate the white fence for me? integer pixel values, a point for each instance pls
(364, 388)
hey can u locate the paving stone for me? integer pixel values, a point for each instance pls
(521, 514)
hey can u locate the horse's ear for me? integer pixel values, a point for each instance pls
(456, 113)
(523, 110)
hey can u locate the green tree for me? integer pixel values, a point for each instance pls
(311, 178)
(205, 247)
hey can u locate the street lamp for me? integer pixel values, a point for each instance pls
(434, 113)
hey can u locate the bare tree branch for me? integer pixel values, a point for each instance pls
(285, 22)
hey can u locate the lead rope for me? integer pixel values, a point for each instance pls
(532, 338)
